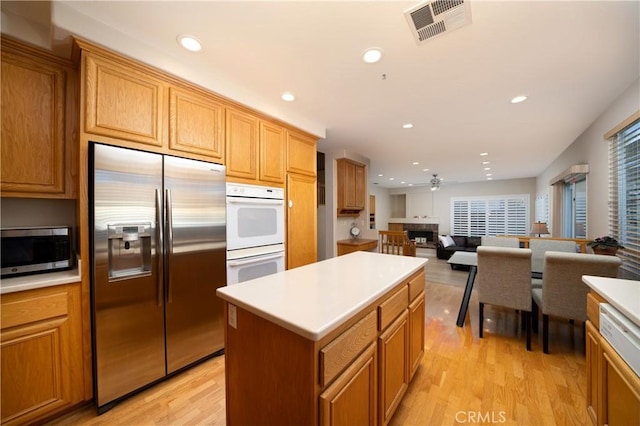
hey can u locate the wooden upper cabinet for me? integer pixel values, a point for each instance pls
(301, 156)
(242, 143)
(272, 152)
(351, 187)
(196, 124)
(122, 102)
(35, 156)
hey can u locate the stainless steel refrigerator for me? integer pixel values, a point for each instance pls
(159, 230)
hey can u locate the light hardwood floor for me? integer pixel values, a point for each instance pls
(462, 379)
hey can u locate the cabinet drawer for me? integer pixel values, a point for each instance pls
(392, 307)
(343, 349)
(416, 285)
(34, 309)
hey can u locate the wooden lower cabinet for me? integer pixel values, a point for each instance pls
(394, 372)
(594, 355)
(302, 219)
(416, 333)
(351, 399)
(41, 353)
(620, 390)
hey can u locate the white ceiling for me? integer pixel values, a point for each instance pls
(571, 58)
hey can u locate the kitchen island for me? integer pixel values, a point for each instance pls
(334, 342)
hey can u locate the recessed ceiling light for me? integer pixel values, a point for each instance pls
(425, 170)
(410, 184)
(487, 168)
(489, 174)
(372, 55)
(288, 96)
(485, 163)
(407, 126)
(415, 163)
(380, 175)
(189, 42)
(391, 178)
(484, 154)
(518, 99)
(489, 178)
(403, 182)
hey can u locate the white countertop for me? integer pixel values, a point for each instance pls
(624, 295)
(30, 282)
(314, 299)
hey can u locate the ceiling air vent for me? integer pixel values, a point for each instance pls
(431, 19)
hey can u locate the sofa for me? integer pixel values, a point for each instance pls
(444, 249)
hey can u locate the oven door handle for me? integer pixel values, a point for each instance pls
(254, 260)
(262, 201)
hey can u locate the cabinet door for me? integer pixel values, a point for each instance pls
(594, 354)
(41, 353)
(196, 124)
(33, 142)
(394, 371)
(242, 144)
(272, 153)
(351, 399)
(301, 154)
(620, 390)
(302, 220)
(122, 102)
(416, 333)
(351, 185)
(360, 186)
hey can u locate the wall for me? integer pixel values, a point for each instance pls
(591, 148)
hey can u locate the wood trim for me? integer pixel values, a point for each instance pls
(624, 123)
(575, 169)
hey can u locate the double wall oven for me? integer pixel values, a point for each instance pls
(255, 231)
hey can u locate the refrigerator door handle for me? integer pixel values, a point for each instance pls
(159, 247)
(169, 229)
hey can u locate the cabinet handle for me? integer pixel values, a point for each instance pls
(290, 203)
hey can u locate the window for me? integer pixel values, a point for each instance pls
(499, 215)
(575, 209)
(624, 194)
(542, 208)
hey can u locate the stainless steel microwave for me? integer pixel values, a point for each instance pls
(35, 250)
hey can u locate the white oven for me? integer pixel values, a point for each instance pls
(247, 264)
(255, 231)
(255, 216)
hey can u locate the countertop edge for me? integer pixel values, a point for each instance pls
(35, 281)
(600, 284)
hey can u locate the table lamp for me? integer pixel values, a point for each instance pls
(539, 228)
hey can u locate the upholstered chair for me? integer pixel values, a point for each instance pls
(563, 294)
(504, 279)
(539, 246)
(513, 242)
(396, 242)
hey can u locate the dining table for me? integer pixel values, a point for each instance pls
(470, 259)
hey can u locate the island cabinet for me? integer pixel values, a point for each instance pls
(42, 371)
(352, 187)
(39, 98)
(256, 149)
(613, 388)
(302, 348)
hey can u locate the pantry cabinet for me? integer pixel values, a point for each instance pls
(38, 123)
(351, 187)
(301, 154)
(302, 216)
(196, 124)
(41, 353)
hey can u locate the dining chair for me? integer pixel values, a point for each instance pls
(563, 294)
(492, 241)
(504, 279)
(396, 242)
(539, 246)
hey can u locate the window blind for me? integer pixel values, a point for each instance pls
(499, 215)
(624, 196)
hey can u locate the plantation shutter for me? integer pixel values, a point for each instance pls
(499, 215)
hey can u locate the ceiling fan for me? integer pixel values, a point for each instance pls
(435, 182)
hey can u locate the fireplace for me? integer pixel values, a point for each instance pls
(424, 234)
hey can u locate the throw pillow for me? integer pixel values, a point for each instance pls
(449, 241)
(442, 240)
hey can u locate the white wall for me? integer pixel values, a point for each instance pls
(592, 149)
